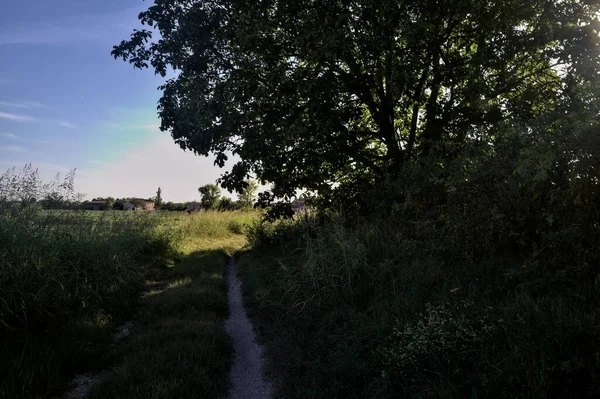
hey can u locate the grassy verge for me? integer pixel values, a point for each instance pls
(68, 279)
(355, 310)
(178, 347)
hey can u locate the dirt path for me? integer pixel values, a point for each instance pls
(247, 376)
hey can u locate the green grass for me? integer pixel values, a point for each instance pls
(67, 279)
(356, 310)
(179, 347)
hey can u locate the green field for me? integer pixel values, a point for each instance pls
(68, 279)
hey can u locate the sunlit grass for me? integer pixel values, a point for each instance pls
(179, 347)
(77, 275)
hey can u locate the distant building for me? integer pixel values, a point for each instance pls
(193, 207)
(95, 205)
(137, 204)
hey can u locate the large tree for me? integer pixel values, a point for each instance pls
(317, 94)
(211, 193)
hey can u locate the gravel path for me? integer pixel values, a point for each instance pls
(247, 376)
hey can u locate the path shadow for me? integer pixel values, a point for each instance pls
(178, 345)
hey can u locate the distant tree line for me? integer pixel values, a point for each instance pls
(24, 188)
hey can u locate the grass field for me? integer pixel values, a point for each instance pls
(68, 279)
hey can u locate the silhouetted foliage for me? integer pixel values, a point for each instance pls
(158, 199)
(334, 97)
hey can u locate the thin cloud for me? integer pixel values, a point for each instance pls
(110, 124)
(96, 162)
(23, 104)
(49, 35)
(14, 117)
(86, 28)
(13, 148)
(15, 105)
(13, 136)
(34, 104)
(66, 124)
(10, 136)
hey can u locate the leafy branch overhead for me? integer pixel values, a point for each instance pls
(322, 94)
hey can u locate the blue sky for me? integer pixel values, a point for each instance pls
(66, 103)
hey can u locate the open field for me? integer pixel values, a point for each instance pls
(68, 279)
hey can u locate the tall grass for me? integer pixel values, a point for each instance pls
(215, 224)
(357, 308)
(61, 269)
(67, 276)
(179, 346)
(55, 265)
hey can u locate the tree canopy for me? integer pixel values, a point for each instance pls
(211, 193)
(326, 95)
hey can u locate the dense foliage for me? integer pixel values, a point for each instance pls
(211, 194)
(329, 95)
(64, 275)
(456, 141)
(374, 307)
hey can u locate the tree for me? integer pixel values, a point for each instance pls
(211, 193)
(248, 194)
(332, 95)
(158, 199)
(110, 202)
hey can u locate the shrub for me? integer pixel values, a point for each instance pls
(446, 339)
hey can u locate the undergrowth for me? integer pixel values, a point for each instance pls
(367, 308)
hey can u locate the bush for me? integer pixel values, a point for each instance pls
(445, 303)
(446, 339)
